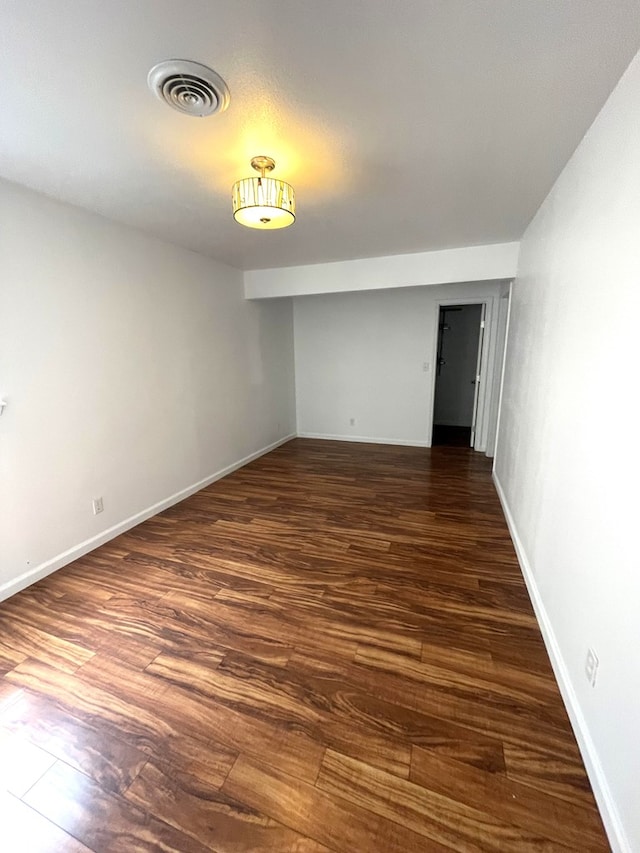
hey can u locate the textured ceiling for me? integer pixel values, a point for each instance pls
(404, 125)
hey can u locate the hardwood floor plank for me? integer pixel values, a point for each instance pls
(280, 704)
(108, 760)
(189, 799)
(137, 722)
(501, 685)
(153, 721)
(469, 605)
(379, 624)
(102, 820)
(503, 714)
(77, 622)
(179, 711)
(543, 814)
(244, 639)
(436, 817)
(132, 651)
(286, 702)
(526, 652)
(332, 723)
(331, 649)
(329, 820)
(406, 726)
(201, 766)
(10, 657)
(563, 777)
(278, 624)
(497, 722)
(478, 660)
(42, 645)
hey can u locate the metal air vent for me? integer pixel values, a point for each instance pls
(189, 87)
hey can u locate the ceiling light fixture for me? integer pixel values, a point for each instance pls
(264, 202)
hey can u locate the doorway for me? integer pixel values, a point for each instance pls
(457, 374)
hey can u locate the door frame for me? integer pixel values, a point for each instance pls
(502, 332)
(486, 365)
(475, 418)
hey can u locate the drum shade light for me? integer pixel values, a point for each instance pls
(263, 202)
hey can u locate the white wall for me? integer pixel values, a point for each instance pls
(446, 266)
(568, 461)
(133, 370)
(362, 356)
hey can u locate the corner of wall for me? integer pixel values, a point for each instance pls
(39, 572)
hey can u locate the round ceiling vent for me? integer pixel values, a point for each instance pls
(189, 87)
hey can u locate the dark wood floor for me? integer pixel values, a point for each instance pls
(331, 649)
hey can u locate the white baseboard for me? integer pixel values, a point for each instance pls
(363, 438)
(608, 811)
(13, 586)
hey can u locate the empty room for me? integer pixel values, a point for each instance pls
(316, 535)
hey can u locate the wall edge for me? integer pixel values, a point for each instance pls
(601, 791)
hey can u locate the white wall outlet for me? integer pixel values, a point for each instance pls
(98, 505)
(425, 366)
(591, 667)
(352, 421)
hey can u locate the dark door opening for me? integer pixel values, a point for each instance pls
(457, 374)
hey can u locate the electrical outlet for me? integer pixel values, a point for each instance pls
(98, 506)
(591, 667)
(352, 421)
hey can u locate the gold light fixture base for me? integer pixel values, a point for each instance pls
(263, 164)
